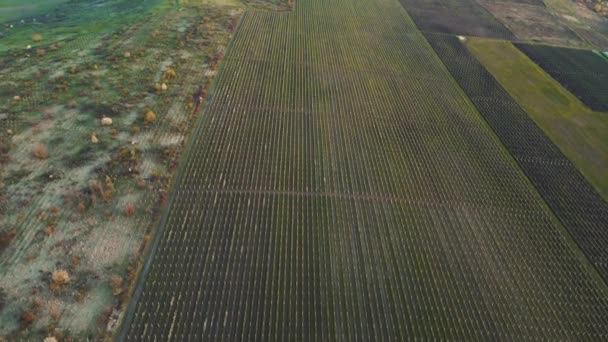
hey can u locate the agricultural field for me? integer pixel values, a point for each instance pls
(584, 73)
(534, 23)
(329, 193)
(461, 17)
(579, 132)
(573, 200)
(93, 120)
(554, 22)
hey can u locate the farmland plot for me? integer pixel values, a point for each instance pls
(582, 72)
(462, 17)
(533, 23)
(340, 186)
(575, 202)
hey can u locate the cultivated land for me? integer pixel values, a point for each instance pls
(341, 186)
(462, 17)
(579, 132)
(584, 73)
(574, 201)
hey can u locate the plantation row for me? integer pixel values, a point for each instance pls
(582, 72)
(574, 201)
(341, 187)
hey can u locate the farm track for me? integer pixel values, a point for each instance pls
(574, 201)
(321, 201)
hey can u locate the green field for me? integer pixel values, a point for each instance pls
(341, 186)
(579, 132)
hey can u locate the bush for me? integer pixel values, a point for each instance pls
(6, 238)
(129, 210)
(27, 318)
(40, 152)
(150, 117)
(59, 279)
(116, 283)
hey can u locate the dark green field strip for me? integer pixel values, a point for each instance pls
(342, 187)
(582, 72)
(574, 201)
(461, 17)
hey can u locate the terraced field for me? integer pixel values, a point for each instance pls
(341, 186)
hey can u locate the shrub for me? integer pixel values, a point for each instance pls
(116, 283)
(40, 151)
(54, 310)
(6, 238)
(150, 117)
(169, 74)
(59, 278)
(129, 210)
(27, 318)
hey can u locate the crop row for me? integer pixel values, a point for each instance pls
(341, 187)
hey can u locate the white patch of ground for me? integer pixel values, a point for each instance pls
(83, 316)
(111, 240)
(148, 167)
(171, 140)
(570, 18)
(183, 54)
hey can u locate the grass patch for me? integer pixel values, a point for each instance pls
(579, 132)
